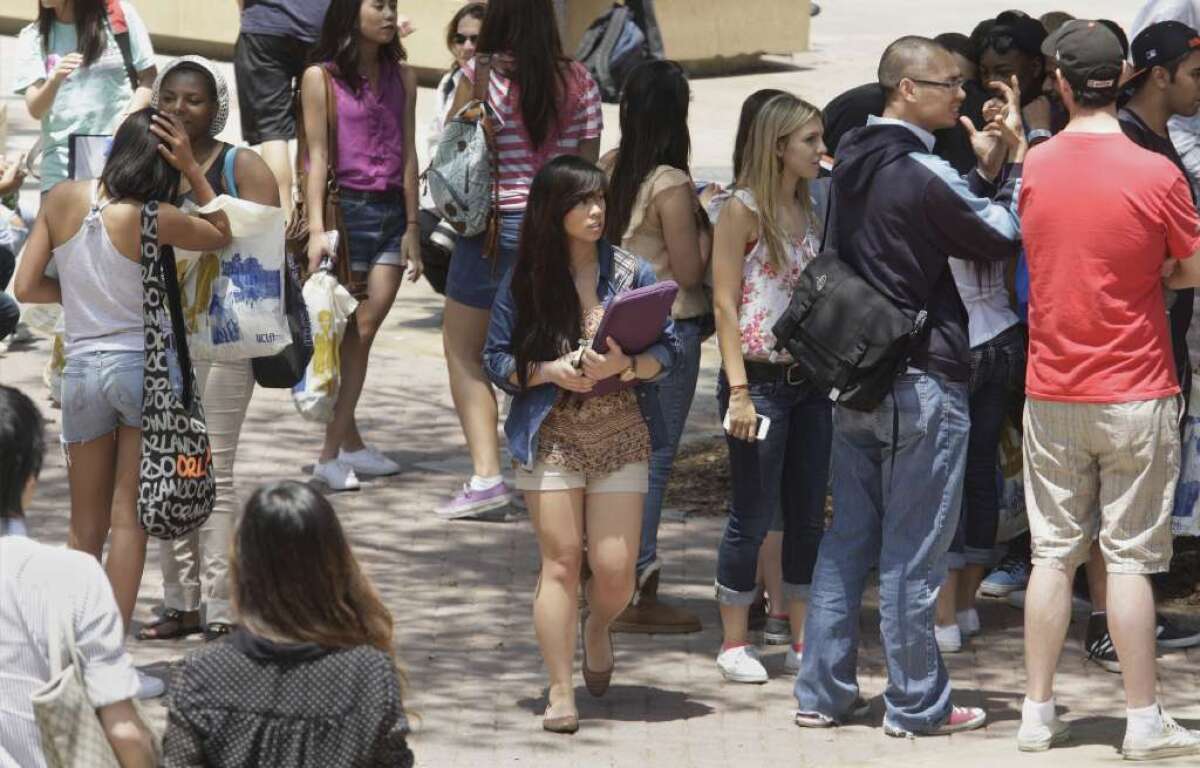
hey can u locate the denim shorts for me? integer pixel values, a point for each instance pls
(101, 391)
(375, 223)
(472, 279)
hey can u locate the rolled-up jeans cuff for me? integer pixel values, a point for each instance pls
(727, 596)
(984, 557)
(955, 561)
(181, 597)
(796, 592)
(217, 611)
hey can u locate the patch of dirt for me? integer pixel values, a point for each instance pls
(700, 486)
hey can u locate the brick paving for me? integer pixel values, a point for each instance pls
(461, 592)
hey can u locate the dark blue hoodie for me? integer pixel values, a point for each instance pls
(900, 212)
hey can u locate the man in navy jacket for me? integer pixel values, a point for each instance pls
(899, 213)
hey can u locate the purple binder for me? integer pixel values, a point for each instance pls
(635, 319)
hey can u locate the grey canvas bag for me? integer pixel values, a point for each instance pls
(463, 176)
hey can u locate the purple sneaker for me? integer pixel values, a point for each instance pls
(468, 503)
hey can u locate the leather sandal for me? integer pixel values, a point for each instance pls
(563, 724)
(216, 630)
(596, 682)
(174, 619)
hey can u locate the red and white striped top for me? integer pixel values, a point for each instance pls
(579, 119)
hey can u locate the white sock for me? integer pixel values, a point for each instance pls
(1038, 711)
(479, 483)
(1144, 721)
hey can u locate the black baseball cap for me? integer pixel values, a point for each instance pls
(1013, 29)
(1159, 44)
(1089, 55)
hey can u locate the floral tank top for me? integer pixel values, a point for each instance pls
(766, 289)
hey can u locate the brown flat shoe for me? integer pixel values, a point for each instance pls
(172, 624)
(596, 682)
(564, 724)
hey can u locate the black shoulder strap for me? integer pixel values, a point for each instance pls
(126, 47)
(167, 272)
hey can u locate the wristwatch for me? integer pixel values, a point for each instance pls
(630, 373)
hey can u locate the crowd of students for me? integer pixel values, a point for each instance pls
(1041, 285)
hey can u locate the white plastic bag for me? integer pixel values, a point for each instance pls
(1185, 517)
(329, 307)
(233, 299)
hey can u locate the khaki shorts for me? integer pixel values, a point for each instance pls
(631, 478)
(1104, 470)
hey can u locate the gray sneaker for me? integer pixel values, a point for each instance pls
(777, 631)
(1038, 737)
(1171, 740)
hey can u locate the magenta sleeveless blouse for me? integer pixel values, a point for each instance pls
(371, 132)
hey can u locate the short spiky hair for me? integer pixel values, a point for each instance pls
(903, 56)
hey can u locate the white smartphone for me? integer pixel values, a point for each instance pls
(764, 424)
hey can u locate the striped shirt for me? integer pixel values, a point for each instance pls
(34, 578)
(579, 119)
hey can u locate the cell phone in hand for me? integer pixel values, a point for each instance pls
(764, 424)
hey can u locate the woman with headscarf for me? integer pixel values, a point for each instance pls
(193, 90)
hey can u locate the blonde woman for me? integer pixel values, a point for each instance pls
(766, 235)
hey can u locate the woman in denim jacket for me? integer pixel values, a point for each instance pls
(582, 462)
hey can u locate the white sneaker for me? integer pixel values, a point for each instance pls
(742, 665)
(149, 687)
(1036, 736)
(791, 662)
(1171, 740)
(968, 622)
(336, 474)
(369, 461)
(949, 639)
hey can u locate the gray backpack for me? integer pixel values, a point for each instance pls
(463, 177)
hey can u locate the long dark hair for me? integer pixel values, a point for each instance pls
(547, 306)
(22, 445)
(340, 40)
(750, 108)
(90, 30)
(528, 30)
(654, 132)
(294, 576)
(134, 168)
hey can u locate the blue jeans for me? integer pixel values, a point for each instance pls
(789, 470)
(472, 279)
(675, 393)
(895, 507)
(997, 383)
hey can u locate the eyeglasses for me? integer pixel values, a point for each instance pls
(463, 39)
(949, 85)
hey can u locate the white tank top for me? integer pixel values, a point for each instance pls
(101, 290)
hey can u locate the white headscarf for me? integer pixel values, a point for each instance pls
(222, 88)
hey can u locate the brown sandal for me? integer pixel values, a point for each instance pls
(596, 682)
(174, 619)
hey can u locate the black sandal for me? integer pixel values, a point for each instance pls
(216, 630)
(174, 618)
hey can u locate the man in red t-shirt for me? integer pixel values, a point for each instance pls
(1101, 219)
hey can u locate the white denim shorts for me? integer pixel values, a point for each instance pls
(100, 392)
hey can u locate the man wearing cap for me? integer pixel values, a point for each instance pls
(1101, 443)
(898, 210)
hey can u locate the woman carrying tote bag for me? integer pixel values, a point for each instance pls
(93, 229)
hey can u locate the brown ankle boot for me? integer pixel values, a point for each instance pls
(647, 615)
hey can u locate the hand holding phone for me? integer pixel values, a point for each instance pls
(763, 424)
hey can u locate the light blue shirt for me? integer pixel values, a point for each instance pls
(925, 136)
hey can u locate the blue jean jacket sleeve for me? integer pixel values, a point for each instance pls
(666, 349)
(498, 360)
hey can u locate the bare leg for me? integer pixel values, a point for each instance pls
(770, 565)
(968, 586)
(464, 330)
(90, 470)
(1047, 615)
(127, 551)
(1131, 624)
(614, 532)
(797, 612)
(1097, 576)
(382, 284)
(734, 619)
(557, 518)
(947, 600)
(279, 159)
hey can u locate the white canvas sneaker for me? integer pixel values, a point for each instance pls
(1034, 736)
(369, 461)
(741, 665)
(336, 474)
(1170, 740)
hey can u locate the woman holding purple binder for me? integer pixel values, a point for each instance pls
(582, 460)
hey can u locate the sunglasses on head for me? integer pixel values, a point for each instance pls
(463, 39)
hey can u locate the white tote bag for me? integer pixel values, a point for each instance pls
(233, 299)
